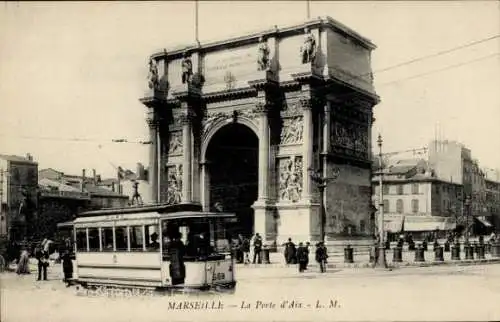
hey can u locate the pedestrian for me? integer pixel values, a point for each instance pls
(321, 256)
(245, 247)
(67, 265)
(23, 264)
(290, 252)
(239, 249)
(257, 249)
(43, 263)
(302, 257)
(308, 244)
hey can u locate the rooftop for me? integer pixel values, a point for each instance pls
(325, 21)
(16, 158)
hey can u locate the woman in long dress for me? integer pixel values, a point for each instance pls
(23, 264)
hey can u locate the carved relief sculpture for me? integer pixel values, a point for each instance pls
(187, 68)
(153, 80)
(175, 144)
(361, 143)
(308, 49)
(263, 55)
(174, 189)
(292, 131)
(290, 179)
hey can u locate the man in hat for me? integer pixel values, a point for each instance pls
(154, 241)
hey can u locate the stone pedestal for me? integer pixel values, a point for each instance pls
(298, 221)
(264, 220)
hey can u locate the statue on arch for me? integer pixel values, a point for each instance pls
(153, 79)
(308, 49)
(263, 55)
(187, 68)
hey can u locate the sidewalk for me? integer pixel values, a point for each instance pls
(362, 260)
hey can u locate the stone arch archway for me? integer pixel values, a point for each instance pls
(230, 153)
(217, 125)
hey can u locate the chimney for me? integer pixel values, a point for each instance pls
(83, 180)
(29, 157)
(113, 186)
(140, 172)
(94, 176)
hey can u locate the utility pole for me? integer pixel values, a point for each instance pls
(1, 197)
(381, 262)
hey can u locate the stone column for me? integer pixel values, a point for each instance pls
(305, 103)
(262, 212)
(205, 185)
(153, 156)
(261, 109)
(187, 148)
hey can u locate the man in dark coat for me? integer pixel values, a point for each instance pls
(67, 265)
(321, 256)
(290, 252)
(257, 248)
(43, 262)
(176, 251)
(302, 257)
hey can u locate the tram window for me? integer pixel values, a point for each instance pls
(121, 238)
(152, 237)
(107, 239)
(81, 240)
(136, 238)
(93, 239)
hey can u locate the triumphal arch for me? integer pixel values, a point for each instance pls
(240, 125)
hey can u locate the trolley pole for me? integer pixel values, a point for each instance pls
(381, 262)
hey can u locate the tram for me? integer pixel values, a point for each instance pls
(155, 247)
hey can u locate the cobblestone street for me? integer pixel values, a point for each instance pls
(446, 293)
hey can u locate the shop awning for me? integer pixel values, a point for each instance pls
(393, 225)
(485, 222)
(422, 226)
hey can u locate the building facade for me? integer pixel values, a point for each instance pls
(100, 195)
(242, 123)
(18, 195)
(57, 203)
(415, 197)
(492, 199)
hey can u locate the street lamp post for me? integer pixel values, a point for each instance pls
(467, 213)
(381, 262)
(321, 181)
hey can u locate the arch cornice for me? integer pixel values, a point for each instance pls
(207, 136)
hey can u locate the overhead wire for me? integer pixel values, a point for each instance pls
(411, 61)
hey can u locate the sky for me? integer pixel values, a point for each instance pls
(76, 70)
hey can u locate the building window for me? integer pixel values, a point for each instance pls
(399, 206)
(362, 225)
(414, 206)
(400, 189)
(385, 189)
(414, 189)
(386, 205)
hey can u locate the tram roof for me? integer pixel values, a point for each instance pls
(147, 216)
(65, 224)
(159, 208)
